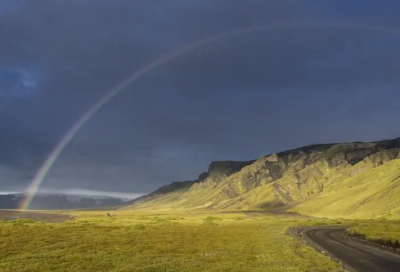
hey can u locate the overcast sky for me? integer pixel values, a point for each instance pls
(235, 99)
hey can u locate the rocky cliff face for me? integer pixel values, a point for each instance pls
(283, 179)
(226, 168)
(217, 170)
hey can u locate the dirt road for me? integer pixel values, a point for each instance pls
(359, 256)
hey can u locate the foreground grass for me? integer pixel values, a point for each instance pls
(383, 232)
(149, 242)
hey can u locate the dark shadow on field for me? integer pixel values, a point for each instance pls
(38, 216)
(275, 208)
(270, 211)
(272, 205)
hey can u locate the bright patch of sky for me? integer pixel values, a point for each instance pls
(82, 193)
(16, 82)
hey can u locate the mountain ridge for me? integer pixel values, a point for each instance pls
(285, 179)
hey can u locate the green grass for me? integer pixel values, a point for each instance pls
(130, 241)
(383, 232)
(372, 194)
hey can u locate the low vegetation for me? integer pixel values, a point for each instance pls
(127, 241)
(382, 232)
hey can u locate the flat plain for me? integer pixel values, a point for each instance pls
(150, 241)
(145, 241)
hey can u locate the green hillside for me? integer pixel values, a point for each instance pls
(349, 180)
(373, 193)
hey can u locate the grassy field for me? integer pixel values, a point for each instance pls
(383, 232)
(140, 241)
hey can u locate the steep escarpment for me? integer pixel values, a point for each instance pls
(301, 179)
(174, 193)
(225, 168)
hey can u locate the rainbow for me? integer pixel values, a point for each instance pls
(53, 156)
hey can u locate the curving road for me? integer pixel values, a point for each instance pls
(359, 256)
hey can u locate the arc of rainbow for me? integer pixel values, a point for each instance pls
(53, 156)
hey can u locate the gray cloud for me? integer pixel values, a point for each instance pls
(234, 99)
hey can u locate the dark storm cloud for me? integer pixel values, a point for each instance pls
(237, 98)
